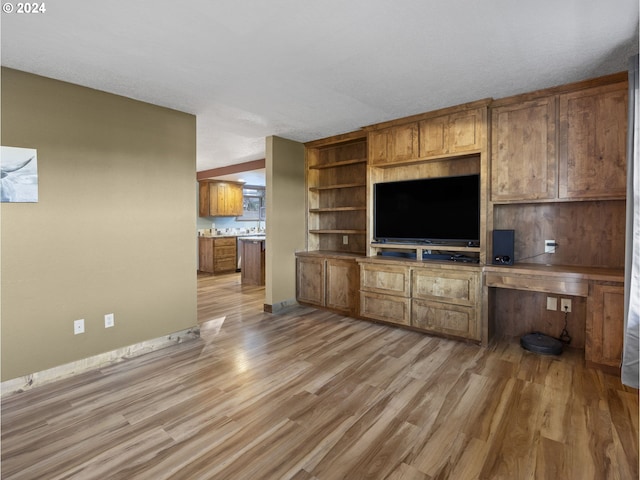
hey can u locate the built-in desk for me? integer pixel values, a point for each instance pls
(603, 289)
(556, 279)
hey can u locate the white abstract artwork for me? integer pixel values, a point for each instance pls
(19, 181)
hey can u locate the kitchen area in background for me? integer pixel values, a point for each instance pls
(231, 226)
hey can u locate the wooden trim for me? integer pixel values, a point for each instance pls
(433, 113)
(229, 169)
(619, 77)
(356, 136)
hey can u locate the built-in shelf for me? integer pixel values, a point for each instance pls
(414, 246)
(342, 231)
(337, 194)
(341, 163)
(336, 209)
(337, 187)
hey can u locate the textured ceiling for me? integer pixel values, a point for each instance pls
(305, 70)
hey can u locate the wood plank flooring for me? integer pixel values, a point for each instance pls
(309, 394)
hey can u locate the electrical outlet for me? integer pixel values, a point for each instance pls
(565, 305)
(549, 246)
(552, 303)
(109, 320)
(345, 239)
(78, 326)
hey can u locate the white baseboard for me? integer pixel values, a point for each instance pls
(31, 380)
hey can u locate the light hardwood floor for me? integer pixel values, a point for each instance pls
(314, 395)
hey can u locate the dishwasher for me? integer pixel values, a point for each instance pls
(238, 254)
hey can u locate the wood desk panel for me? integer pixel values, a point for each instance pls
(538, 283)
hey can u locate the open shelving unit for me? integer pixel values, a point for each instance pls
(336, 201)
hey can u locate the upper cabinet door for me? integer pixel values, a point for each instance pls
(378, 147)
(404, 142)
(465, 131)
(394, 144)
(593, 140)
(452, 134)
(433, 136)
(523, 151)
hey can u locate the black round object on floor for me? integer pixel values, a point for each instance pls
(541, 343)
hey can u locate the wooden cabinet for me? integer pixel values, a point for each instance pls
(310, 280)
(217, 255)
(385, 293)
(593, 142)
(452, 134)
(605, 324)
(446, 301)
(562, 146)
(523, 151)
(327, 281)
(337, 205)
(395, 144)
(253, 271)
(437, 299)
(435, 136)
(220, 199)
(341, 285)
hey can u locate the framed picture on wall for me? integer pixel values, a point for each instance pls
(19, 177)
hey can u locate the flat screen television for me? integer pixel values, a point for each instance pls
(442, 210)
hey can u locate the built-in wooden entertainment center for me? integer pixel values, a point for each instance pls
(552, 165)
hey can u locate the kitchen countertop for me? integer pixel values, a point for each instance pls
(232, 235)
(254, 238)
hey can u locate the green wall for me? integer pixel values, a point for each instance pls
(286, 218)
(112, 232)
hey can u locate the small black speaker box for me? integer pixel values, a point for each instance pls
(503, 244)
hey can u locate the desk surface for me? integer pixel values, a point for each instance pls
(565, 271)
(557, 279)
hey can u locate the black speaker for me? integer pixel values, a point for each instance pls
(503, 241)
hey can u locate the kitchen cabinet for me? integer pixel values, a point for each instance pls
(220, 199)
(330, 281)
(605, 324)
(253, 271)
(217, 254)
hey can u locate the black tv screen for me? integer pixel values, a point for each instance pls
(430, 210)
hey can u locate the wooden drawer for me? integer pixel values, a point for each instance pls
(446, 318)
(225, 252)
(385, 279)
(538, 283)
(225, 264)
(452, 287)
(388, 308)
(226, 241)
